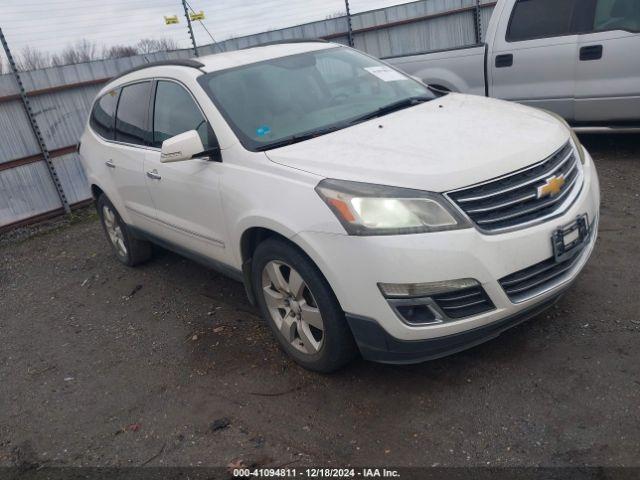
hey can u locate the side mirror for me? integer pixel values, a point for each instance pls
(185, 146)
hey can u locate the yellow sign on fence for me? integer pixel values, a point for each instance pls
(197, 16)
(171, 20)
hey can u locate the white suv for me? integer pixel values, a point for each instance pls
(361, 210)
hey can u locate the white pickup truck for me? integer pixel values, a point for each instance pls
(577, 58)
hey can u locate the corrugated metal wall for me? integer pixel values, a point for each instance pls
(61, 96)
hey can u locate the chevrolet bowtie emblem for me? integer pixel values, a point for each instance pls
(552, 187)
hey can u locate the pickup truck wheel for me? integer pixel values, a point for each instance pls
(128, 249)
(300, 307)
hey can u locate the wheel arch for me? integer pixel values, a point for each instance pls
(96, 191)
(254, 236)
(250, 238)
(445, 78)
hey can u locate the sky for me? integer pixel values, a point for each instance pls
(51, 25)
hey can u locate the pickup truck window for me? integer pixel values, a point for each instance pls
(309, 94)
(533, 19)
(617, 15)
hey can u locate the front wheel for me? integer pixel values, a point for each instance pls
(300, 307)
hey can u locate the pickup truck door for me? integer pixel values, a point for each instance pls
(532, 59)
(186, 194)
(608, 64)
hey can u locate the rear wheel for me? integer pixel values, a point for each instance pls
(300, 307)
(129, 250)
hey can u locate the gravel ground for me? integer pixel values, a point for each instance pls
(168, 364)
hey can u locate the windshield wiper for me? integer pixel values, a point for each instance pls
(299, 138)
(392, 107)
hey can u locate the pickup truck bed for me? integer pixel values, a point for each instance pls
(456, 70)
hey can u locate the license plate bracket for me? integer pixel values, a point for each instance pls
(569, 240)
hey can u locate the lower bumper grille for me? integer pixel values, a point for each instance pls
(464, 303)
(522, 285)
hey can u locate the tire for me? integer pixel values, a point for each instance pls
(297, 302)
(128, 249)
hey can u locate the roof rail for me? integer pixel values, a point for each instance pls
(284, 42)
(179, 62)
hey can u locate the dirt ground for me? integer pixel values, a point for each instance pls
(168, 364)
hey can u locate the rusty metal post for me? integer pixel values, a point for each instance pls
(193, 38)
(478, 22)
(349, 25)
(34, 125)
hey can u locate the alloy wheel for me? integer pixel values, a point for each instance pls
(114, 231)
(292, 307)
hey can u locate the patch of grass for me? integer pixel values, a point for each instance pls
(21, 234)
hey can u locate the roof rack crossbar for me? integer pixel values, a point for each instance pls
(179, 62)
(284, 42)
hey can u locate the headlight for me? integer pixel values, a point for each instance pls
(574, 137)
(366, 209)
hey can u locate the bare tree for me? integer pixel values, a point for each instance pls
(32, 59)
(118, 51)
(337, 14)
(80, 52)
(152, 45)
(86, 51)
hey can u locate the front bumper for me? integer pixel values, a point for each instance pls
(377, 345)
(355, 265)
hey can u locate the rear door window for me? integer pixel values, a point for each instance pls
(617, 15)
(176, 112)
(103, 114)
(131, 119)
(541, 19)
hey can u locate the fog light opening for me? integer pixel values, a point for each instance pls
(417, 314)
(440, 301)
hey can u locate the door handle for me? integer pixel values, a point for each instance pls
(153, 174)
(109, 163)
(592, 52)
(503, 61)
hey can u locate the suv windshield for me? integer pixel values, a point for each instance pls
(290, 99)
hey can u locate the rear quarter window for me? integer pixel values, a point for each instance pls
(617, 15)
(102, 117)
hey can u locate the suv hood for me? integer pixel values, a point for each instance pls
(448, 143)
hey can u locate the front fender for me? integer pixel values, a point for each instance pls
(257, 221)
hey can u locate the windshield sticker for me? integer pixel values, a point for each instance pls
(262, 130)
(386, 74)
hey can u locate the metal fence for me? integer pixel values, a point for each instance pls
(60, 97)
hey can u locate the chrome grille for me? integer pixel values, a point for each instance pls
(464, 303)
(513, 201)
(531, 281)
(522, 285)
